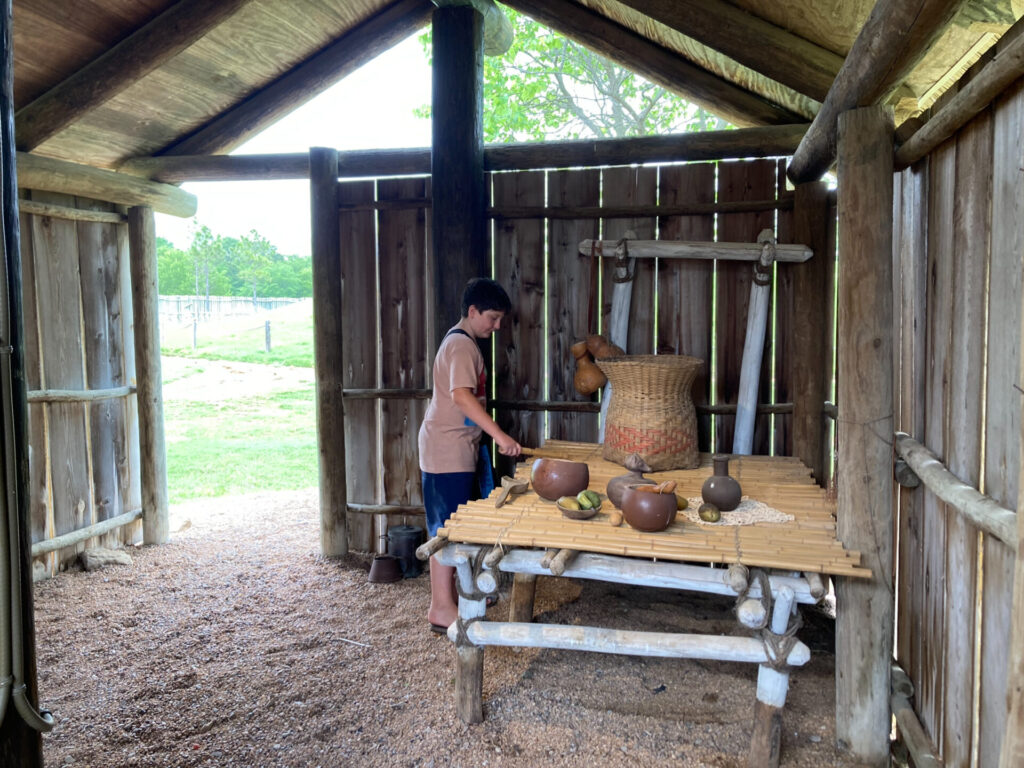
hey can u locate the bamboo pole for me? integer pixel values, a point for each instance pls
(864, 627)
(149, 396)
(328, 344)
(41, 548)
(982, 510)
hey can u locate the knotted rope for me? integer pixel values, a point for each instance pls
(776, 645)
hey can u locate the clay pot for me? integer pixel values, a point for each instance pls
(720, 489)
(552, 478)
(649, 512)
(636, 466)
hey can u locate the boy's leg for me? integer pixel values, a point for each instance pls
(442, 494)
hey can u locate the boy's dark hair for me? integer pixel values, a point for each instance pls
(484, 294)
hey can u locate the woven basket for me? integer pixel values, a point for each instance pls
(650, 411)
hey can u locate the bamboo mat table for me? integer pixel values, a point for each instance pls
(807, 543)
(784, 561)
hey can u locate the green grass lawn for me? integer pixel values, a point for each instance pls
(240, 446)
(225, 444)
(244, 339)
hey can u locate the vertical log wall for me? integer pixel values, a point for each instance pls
(959, 259)
(84, 461)
(559, 296)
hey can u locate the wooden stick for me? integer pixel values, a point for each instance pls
(524, 587)
(980, 509)
(67, 212)
(680, 249)
(425, 550)
(78, 395)
(40, 548)
(548, 557)
(917, 742)
(772, 687)
(737, 577)
(753, 346)
(817, 584)
(559, 561)
(629, 642)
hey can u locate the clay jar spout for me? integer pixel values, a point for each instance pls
(721, 489)
(617, 485)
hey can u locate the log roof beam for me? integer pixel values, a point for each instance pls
(342, 57)
(658, 64)
(892, 41)
(772, 51)
(143, 51)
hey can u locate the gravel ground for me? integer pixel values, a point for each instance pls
(236, 644)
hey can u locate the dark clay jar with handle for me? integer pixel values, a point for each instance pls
(721, 489)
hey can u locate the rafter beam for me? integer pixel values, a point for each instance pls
(753, 42)
(657, 64)
(893, 39)
(345, 55)
(135, 56)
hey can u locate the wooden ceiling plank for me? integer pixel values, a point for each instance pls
(772, 51)
(997, 75)
(144, 50)
(655, 63)
(45, 173)
(349, 52)
(893, 39)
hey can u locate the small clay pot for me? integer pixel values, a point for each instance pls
(636, 466)
(649, 512)
(720, 489)
(553, 478)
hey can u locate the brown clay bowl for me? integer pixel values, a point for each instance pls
(552, 478)
(649, 512)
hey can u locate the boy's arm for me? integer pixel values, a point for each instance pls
(470, 406)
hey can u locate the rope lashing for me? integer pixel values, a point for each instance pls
(622, 263)
(776, 646)
(763, 266)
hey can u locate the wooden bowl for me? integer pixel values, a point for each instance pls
(554, 478)
(578, 514)
(648, 512)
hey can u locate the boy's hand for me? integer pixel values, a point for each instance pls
(507, 446)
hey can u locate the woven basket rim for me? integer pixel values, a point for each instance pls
(666, 360)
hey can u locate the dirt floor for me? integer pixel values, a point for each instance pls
(237, 645)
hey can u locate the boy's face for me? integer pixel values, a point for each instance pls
(484, 323)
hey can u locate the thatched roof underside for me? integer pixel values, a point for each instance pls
(102, 81)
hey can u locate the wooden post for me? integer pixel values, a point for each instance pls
(148, 385)
(524, 587)
(19, 744)
(865, 610)
(327, 350)
(457, 159)
(811, 298)
(772, 687)
(469, 666)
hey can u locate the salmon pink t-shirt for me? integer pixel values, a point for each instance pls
(448, 441)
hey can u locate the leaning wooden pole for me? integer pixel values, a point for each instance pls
(327, 350)
(148, 387)
(864, 607)
(457, 159)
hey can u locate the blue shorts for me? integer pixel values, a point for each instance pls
(443, 493)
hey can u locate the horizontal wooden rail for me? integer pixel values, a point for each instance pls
(386, 509)
(67, 212)
(77, 395)
(587, 212)
(75, 537)
(979, 509)
(682, 249)
(768, 141)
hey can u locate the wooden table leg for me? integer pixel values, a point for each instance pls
(469, 665)
(524, 587)
(772, 686)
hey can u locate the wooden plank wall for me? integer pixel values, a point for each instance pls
(84, 457)
(960, 256)
(558, 296)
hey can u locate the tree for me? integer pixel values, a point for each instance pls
(548, 87)
(257, 254)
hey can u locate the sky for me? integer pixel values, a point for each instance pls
(370, 109)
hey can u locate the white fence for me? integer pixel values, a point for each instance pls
(183, 309)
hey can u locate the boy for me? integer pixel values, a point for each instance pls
(449, 438)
